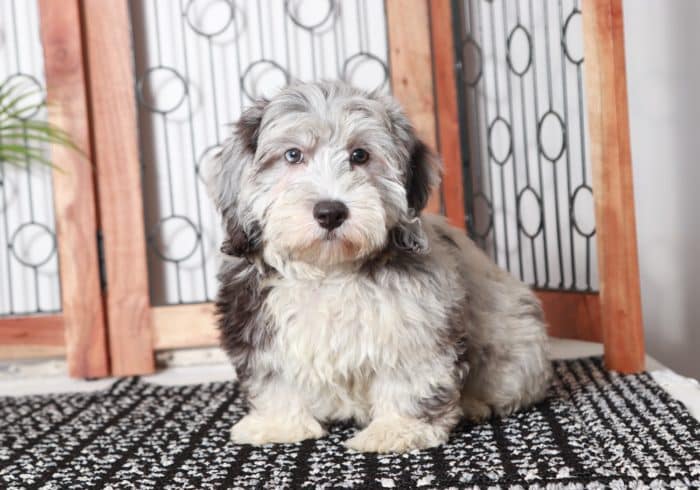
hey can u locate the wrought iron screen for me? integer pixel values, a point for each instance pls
(198, 63)
(522, 116)
(28, 260)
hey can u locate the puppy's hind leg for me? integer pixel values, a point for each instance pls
(277, 414)
(514, 375)
(475, 410)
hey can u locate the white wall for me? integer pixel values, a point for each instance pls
(663, 75)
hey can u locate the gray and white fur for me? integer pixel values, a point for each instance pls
(340, 301)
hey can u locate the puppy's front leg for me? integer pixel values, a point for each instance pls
(278, 414)
(409, 414)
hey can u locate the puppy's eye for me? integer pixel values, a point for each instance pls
(359, 156)
(294, 155)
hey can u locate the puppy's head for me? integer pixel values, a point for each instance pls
(322, 173)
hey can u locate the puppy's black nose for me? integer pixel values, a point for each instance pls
(330, 214)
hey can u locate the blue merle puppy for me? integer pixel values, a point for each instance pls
(339, 300)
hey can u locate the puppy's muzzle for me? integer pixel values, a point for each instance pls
(330, 214)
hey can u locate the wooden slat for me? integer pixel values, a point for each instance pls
(572, 315)
(443, 51)
(410, 58)
(184, 326)
(73, 192)
(29, 351)
(23, 337)
(608, 121)
(32, 330)
(115, 141)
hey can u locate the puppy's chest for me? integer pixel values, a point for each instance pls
(340, 328)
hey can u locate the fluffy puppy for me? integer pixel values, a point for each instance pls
(342, 301)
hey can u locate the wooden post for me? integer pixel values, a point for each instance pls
(410, 57)
(606, 94)
(108, 42)
(443, 52)
(73, 191)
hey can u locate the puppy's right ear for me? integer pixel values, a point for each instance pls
(223, 177)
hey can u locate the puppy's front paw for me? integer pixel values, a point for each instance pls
(475, 410)
(396, 434)
(261, 429)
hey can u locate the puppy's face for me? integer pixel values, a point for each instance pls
(322, 174)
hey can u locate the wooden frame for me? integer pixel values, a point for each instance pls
(24, 337)
(135, 328)
(175, 327)
(447, 112)
(572, 315)
(568, 314)
(423, 79)
(79, 330)
(114, 129)
(411, 61)
(608, 125)
(614, 315)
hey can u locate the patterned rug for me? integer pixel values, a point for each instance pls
(596, 428)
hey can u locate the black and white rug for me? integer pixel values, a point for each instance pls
(596, 429)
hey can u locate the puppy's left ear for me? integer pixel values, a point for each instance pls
(423, 175)
(423, 169)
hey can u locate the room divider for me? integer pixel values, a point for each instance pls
(485, 84)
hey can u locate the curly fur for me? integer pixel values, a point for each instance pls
(394, 320)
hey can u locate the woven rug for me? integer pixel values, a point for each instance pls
(596, 429)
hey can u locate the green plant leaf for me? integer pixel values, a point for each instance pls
(13, 110)
(22, 155)
(23, 138)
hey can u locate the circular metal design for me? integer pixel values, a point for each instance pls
(521, 203)
(271, 65)
(226, 21)
(510, 51)
(476, 61)
(576, 198)
(540, 136)
(482, 99)
(363, 58)
(147, 84)
(209, 153)
(486, 210)
(309, 27)
(575, 13)
(179, 223)
(500, 122)
(31, 233)
(22, 80)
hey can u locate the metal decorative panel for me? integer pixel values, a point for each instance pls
(523, 123)
(28, 259)
(198, 64)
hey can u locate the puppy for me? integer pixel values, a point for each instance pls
(343, 302)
